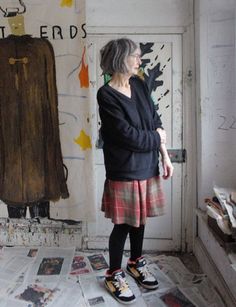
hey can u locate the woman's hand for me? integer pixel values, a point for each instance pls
(167, 166)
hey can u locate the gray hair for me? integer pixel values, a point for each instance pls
(114, 54)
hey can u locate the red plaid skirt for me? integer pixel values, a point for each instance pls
(131, 202)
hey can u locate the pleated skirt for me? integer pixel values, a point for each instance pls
(131, 202)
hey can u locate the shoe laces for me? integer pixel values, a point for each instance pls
(144, 271)
(121, 283)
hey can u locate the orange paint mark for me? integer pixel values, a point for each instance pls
(67, 3)
(83, 74)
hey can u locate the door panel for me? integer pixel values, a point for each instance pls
(162, 70)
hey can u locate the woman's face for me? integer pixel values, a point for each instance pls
(133, 62)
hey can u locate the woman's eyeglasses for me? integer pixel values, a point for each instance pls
(136, 56)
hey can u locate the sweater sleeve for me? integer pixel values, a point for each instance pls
(117, 130)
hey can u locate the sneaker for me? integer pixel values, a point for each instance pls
(139, 271)
(117, 285)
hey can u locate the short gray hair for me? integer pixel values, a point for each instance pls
(113, 55)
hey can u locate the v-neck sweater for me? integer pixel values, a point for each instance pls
(128, 129)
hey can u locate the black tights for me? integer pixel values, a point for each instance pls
(117, 241)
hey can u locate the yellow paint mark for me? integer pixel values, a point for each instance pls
(83, 74)
(83, 140)
(66, 3)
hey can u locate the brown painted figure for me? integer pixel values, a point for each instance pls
(31, 165)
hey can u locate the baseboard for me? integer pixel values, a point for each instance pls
(41, 232)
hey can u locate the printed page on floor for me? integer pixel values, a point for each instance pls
(59, 277)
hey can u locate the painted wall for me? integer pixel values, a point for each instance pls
(62, 23)
(138, 13)
(215, 26)
(148, 13)
(215, 29)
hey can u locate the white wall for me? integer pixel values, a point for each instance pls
(215, 28)
(215, 63)
(162, 15)
(136, 13)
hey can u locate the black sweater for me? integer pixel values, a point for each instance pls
(128, 130)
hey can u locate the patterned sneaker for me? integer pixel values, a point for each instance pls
(117, 285)
(139, 271)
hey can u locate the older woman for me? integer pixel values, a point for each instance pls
(133, 137)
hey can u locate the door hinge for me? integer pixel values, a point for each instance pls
(177, 155)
